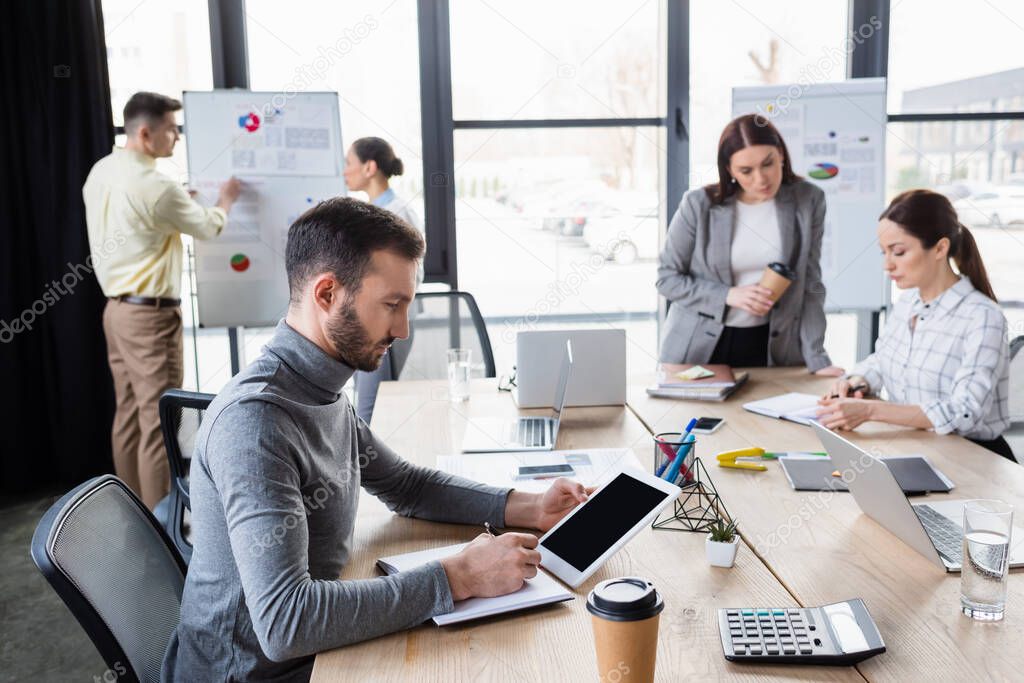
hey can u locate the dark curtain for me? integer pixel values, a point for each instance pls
(54, 124)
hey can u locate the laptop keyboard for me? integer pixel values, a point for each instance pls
(947, 535)
(530, 431)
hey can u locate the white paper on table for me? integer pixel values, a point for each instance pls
(499, 469)
(540, 590)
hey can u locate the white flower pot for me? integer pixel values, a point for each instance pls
(721, 554)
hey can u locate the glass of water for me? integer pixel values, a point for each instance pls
(459, 363)
(986, 560)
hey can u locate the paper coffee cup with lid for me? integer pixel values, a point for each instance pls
(625, 613)
(777, 277)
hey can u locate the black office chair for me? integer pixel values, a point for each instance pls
(181, 412)
(116, 569)
(443, 320)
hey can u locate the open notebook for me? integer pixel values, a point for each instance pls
(801, 408)
(540, 590)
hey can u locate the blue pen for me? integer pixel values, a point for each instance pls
(686, 432)
(670, 452)
(684, 454)
(682, 449)
(673, 471)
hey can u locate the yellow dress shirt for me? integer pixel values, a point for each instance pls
(136, 215)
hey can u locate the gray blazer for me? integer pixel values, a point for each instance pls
(695, 274)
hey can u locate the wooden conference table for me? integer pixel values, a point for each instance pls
(823, 550)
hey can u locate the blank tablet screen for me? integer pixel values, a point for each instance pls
(603, 520)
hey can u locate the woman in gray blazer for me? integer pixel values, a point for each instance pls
(719, 242)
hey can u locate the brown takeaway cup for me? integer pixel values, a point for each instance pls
(624, 613)
(777, 277)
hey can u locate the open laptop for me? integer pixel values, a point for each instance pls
(933, 529)
(494, 435)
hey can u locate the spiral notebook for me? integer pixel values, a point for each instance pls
(540, 590)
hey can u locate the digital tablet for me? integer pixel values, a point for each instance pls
(585, 538)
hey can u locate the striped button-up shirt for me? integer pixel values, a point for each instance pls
(953, 363)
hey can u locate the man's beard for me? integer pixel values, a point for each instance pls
(352, 341)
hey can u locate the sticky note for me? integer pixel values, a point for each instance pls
(696, 372)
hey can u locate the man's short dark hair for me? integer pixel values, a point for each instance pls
(339, 235)
(147, 107)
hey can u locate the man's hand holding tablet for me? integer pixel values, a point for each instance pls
(497, 565)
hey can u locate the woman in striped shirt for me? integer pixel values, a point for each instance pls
(943, 357)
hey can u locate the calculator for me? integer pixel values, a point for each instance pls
(839, 634)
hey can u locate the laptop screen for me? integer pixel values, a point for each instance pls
(563, 381)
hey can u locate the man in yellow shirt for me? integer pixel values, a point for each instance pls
(136, 216)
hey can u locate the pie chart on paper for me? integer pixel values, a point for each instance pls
(240, 263)
(251, 122)
(823, 171)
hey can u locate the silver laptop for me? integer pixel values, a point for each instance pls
(599, 367)
(524, 433)
(933, 529)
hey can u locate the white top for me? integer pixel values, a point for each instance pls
(403, 209)
(954, 363)
(756, 242)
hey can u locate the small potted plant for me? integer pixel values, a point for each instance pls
(722, 543)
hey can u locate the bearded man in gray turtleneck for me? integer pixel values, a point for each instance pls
(279, 461)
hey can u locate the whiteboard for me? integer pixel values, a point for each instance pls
(287, 150)
(835, 134)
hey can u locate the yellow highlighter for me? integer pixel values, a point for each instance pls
(729, 459)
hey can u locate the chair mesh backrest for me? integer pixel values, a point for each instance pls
(119, 562)
(434, 334)
(188, 425)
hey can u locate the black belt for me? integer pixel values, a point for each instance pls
(147, 301)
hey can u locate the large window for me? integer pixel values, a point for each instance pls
(558, 224)
(543, 60)
(946, 134)
(950, 57)
(162, 47)
(159, 47)
(366, 52)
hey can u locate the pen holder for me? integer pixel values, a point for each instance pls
(698, 506)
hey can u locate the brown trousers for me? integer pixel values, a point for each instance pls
(144, 347)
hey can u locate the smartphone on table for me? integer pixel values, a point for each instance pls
(708, 425)
(543, 471)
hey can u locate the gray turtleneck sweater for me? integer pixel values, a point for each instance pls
(275, 479)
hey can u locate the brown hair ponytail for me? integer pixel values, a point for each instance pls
(968, 262)
(929, 217)
(378, 150)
